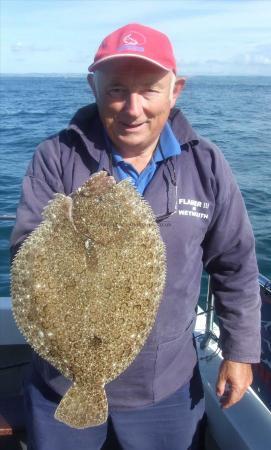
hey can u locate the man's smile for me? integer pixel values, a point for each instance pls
(131, 126)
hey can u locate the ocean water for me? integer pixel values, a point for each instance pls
(233, 112)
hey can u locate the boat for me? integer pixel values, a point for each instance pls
(244, 426)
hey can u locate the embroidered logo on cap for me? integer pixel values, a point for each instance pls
(133, 38)
(132, 41)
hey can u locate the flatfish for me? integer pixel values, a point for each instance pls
(86, 287)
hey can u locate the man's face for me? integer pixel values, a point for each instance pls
(134, 99)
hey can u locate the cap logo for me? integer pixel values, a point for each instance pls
(132, 41)
(133, 38)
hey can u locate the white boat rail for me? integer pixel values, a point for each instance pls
(7, 217)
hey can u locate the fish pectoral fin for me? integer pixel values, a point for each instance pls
(83, 407)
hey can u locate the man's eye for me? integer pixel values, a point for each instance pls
(151, 91)
(116, 92)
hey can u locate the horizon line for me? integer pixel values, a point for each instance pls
(81, 74)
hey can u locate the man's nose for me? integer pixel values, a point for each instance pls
(133, 104)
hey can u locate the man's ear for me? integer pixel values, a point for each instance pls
(178, 87)
(91, 83)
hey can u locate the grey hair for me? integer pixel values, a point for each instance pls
(96, 81)
(96, 75)
(172, 85)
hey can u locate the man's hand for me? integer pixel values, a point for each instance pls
(233, 380)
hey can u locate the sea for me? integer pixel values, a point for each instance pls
(233, 112)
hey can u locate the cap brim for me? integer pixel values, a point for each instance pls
(95, 65)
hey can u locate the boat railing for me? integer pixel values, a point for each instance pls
(265, 283)
(4, 217)
(210, 316)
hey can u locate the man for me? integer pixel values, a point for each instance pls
(134, 130)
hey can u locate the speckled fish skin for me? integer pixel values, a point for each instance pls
(86, 286)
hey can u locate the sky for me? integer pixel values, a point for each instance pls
(210, 37)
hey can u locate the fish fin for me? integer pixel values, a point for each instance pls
(98, 184)
(59, 206)
(82, 407)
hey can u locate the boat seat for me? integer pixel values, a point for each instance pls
(11, 415)
(14, 365)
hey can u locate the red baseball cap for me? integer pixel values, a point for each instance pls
(136, 41)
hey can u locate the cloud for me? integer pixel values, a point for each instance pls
(254, 61)
(19, 47)
(260, 55)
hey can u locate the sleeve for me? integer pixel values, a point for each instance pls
(229, 257)
(41, 182)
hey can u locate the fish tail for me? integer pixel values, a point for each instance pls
(82, 408)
